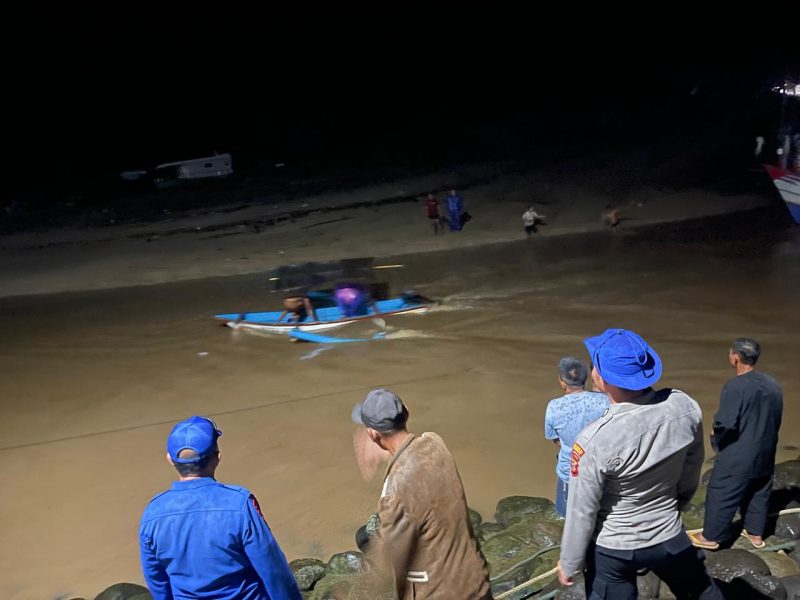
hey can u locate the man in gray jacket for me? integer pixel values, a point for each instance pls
(424, 539)
(631, 472)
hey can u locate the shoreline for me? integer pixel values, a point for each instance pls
(380, 221)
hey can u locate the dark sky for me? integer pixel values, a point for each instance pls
(96, 93)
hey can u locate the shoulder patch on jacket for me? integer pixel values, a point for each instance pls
(577, 453)
(257, 506)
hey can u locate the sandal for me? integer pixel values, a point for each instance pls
(706, 545)
(750, 538)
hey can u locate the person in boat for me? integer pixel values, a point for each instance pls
(353, 299)
(421, 535)
(299, 306)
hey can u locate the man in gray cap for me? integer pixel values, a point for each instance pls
(564, 418)
(631, 472)
(423, 538)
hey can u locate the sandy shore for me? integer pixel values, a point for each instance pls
(382, 220)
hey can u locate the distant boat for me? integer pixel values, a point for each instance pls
(788, 184)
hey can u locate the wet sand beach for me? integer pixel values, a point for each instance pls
(107, 341)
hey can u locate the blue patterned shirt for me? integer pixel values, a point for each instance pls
(564, 419)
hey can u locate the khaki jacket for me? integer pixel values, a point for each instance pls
(425, 535)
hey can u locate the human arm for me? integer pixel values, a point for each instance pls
(394, 543)
(726, 421)
(550, 430)
(585, 493)
(692, 464)
(266, 556)
(155, 574)
(309, 308)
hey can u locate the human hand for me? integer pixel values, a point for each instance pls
(563, 578)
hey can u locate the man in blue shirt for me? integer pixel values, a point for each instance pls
(205, 539)
(566, 416)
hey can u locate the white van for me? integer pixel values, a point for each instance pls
(219, 165)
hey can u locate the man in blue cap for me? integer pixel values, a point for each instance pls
(206, 539)
(631, 472)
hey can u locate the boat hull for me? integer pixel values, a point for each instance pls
(327, 318)
(788, 184)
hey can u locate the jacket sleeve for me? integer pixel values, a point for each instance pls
(155, 575)
(266, 556)
(395, 540)
(693, 463)
(583, 502)
(726, 421)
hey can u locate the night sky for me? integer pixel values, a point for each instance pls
(95, 94)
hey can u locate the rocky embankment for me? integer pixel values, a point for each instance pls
(521, 546)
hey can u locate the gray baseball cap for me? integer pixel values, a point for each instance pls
(381, 410)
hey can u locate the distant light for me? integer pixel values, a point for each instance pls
(388, 267)
(274, 278)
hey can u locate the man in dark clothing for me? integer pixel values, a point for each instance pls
(745, 438)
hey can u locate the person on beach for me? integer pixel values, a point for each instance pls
(631, 472)
(300, 306)
(422, 537)
(610, 217)
(455, 206)
(566, 416)
(432, 211)
(203, 538)
(530, 219)
(746, 438)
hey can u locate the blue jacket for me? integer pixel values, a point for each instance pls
(205, 539)
(455, 204)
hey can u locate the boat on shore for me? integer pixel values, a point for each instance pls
(788, 184)
(327, 317)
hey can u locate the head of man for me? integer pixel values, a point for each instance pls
(572, 374)
(624, 363)
(192, 447)
(744, 351)
(384, 415)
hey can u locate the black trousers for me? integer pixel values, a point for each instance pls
(729, 492)
(611, 573)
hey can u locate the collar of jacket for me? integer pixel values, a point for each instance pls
(400, 450)
(650, 396)
(193, 483)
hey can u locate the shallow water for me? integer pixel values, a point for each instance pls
(91, 383)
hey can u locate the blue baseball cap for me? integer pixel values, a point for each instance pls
(195, 433)
(624, 359)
